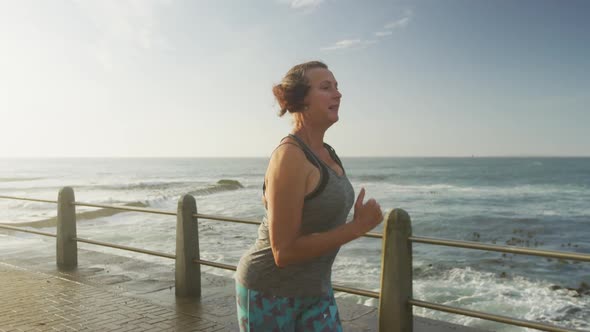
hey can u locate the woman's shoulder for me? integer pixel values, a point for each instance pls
(287, 153)
(289, 159)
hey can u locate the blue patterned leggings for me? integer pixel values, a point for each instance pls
(262, 312)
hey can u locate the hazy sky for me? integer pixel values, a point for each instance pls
(193, 78)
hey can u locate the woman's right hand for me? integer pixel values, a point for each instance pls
(366, 215)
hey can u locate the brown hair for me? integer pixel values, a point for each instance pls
(292, 90)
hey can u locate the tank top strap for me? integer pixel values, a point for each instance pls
(334, 155)
(324, 175)
(308, 153)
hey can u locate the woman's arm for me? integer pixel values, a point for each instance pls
(285, 193)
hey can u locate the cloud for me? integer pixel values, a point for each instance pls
(397, 24)
(122, 26)
(349, 44)
(383, 33)
(400, 23)
(303, 4)
(361, 43)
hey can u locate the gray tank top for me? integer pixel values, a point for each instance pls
(322, 210)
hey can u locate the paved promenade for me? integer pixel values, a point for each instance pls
(115, 293)
(33, 301)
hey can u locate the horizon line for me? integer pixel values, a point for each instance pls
(342, 156)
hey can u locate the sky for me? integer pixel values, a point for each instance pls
(174, 78)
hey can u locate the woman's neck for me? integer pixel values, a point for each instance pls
(313, 138)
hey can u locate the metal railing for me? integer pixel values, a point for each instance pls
(395, 297)
(505, 249)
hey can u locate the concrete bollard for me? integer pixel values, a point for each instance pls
(395, 313)
(188, 274)
(67, 248)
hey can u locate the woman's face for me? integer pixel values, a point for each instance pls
(323, 98)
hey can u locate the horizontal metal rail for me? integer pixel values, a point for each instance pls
(28, 199)
(492, 317)
(219, 218)
(18, 229)
(117, 246)
(156, 211)
(125, 208)
(169, 213)
(215, 264)
(512, 250)
(357, 291)
(374, 235)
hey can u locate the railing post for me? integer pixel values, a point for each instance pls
(67, 248)
(395, 313)
(188, 274)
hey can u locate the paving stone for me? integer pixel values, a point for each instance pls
(31, 301)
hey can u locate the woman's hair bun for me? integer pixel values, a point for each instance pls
(291, 92)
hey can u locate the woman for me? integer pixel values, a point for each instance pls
(283, 283)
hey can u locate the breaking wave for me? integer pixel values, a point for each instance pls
(82, 216)
(220, 186)
(18, 179)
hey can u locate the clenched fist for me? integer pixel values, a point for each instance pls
(366, 215)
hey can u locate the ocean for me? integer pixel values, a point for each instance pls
(533, 202)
